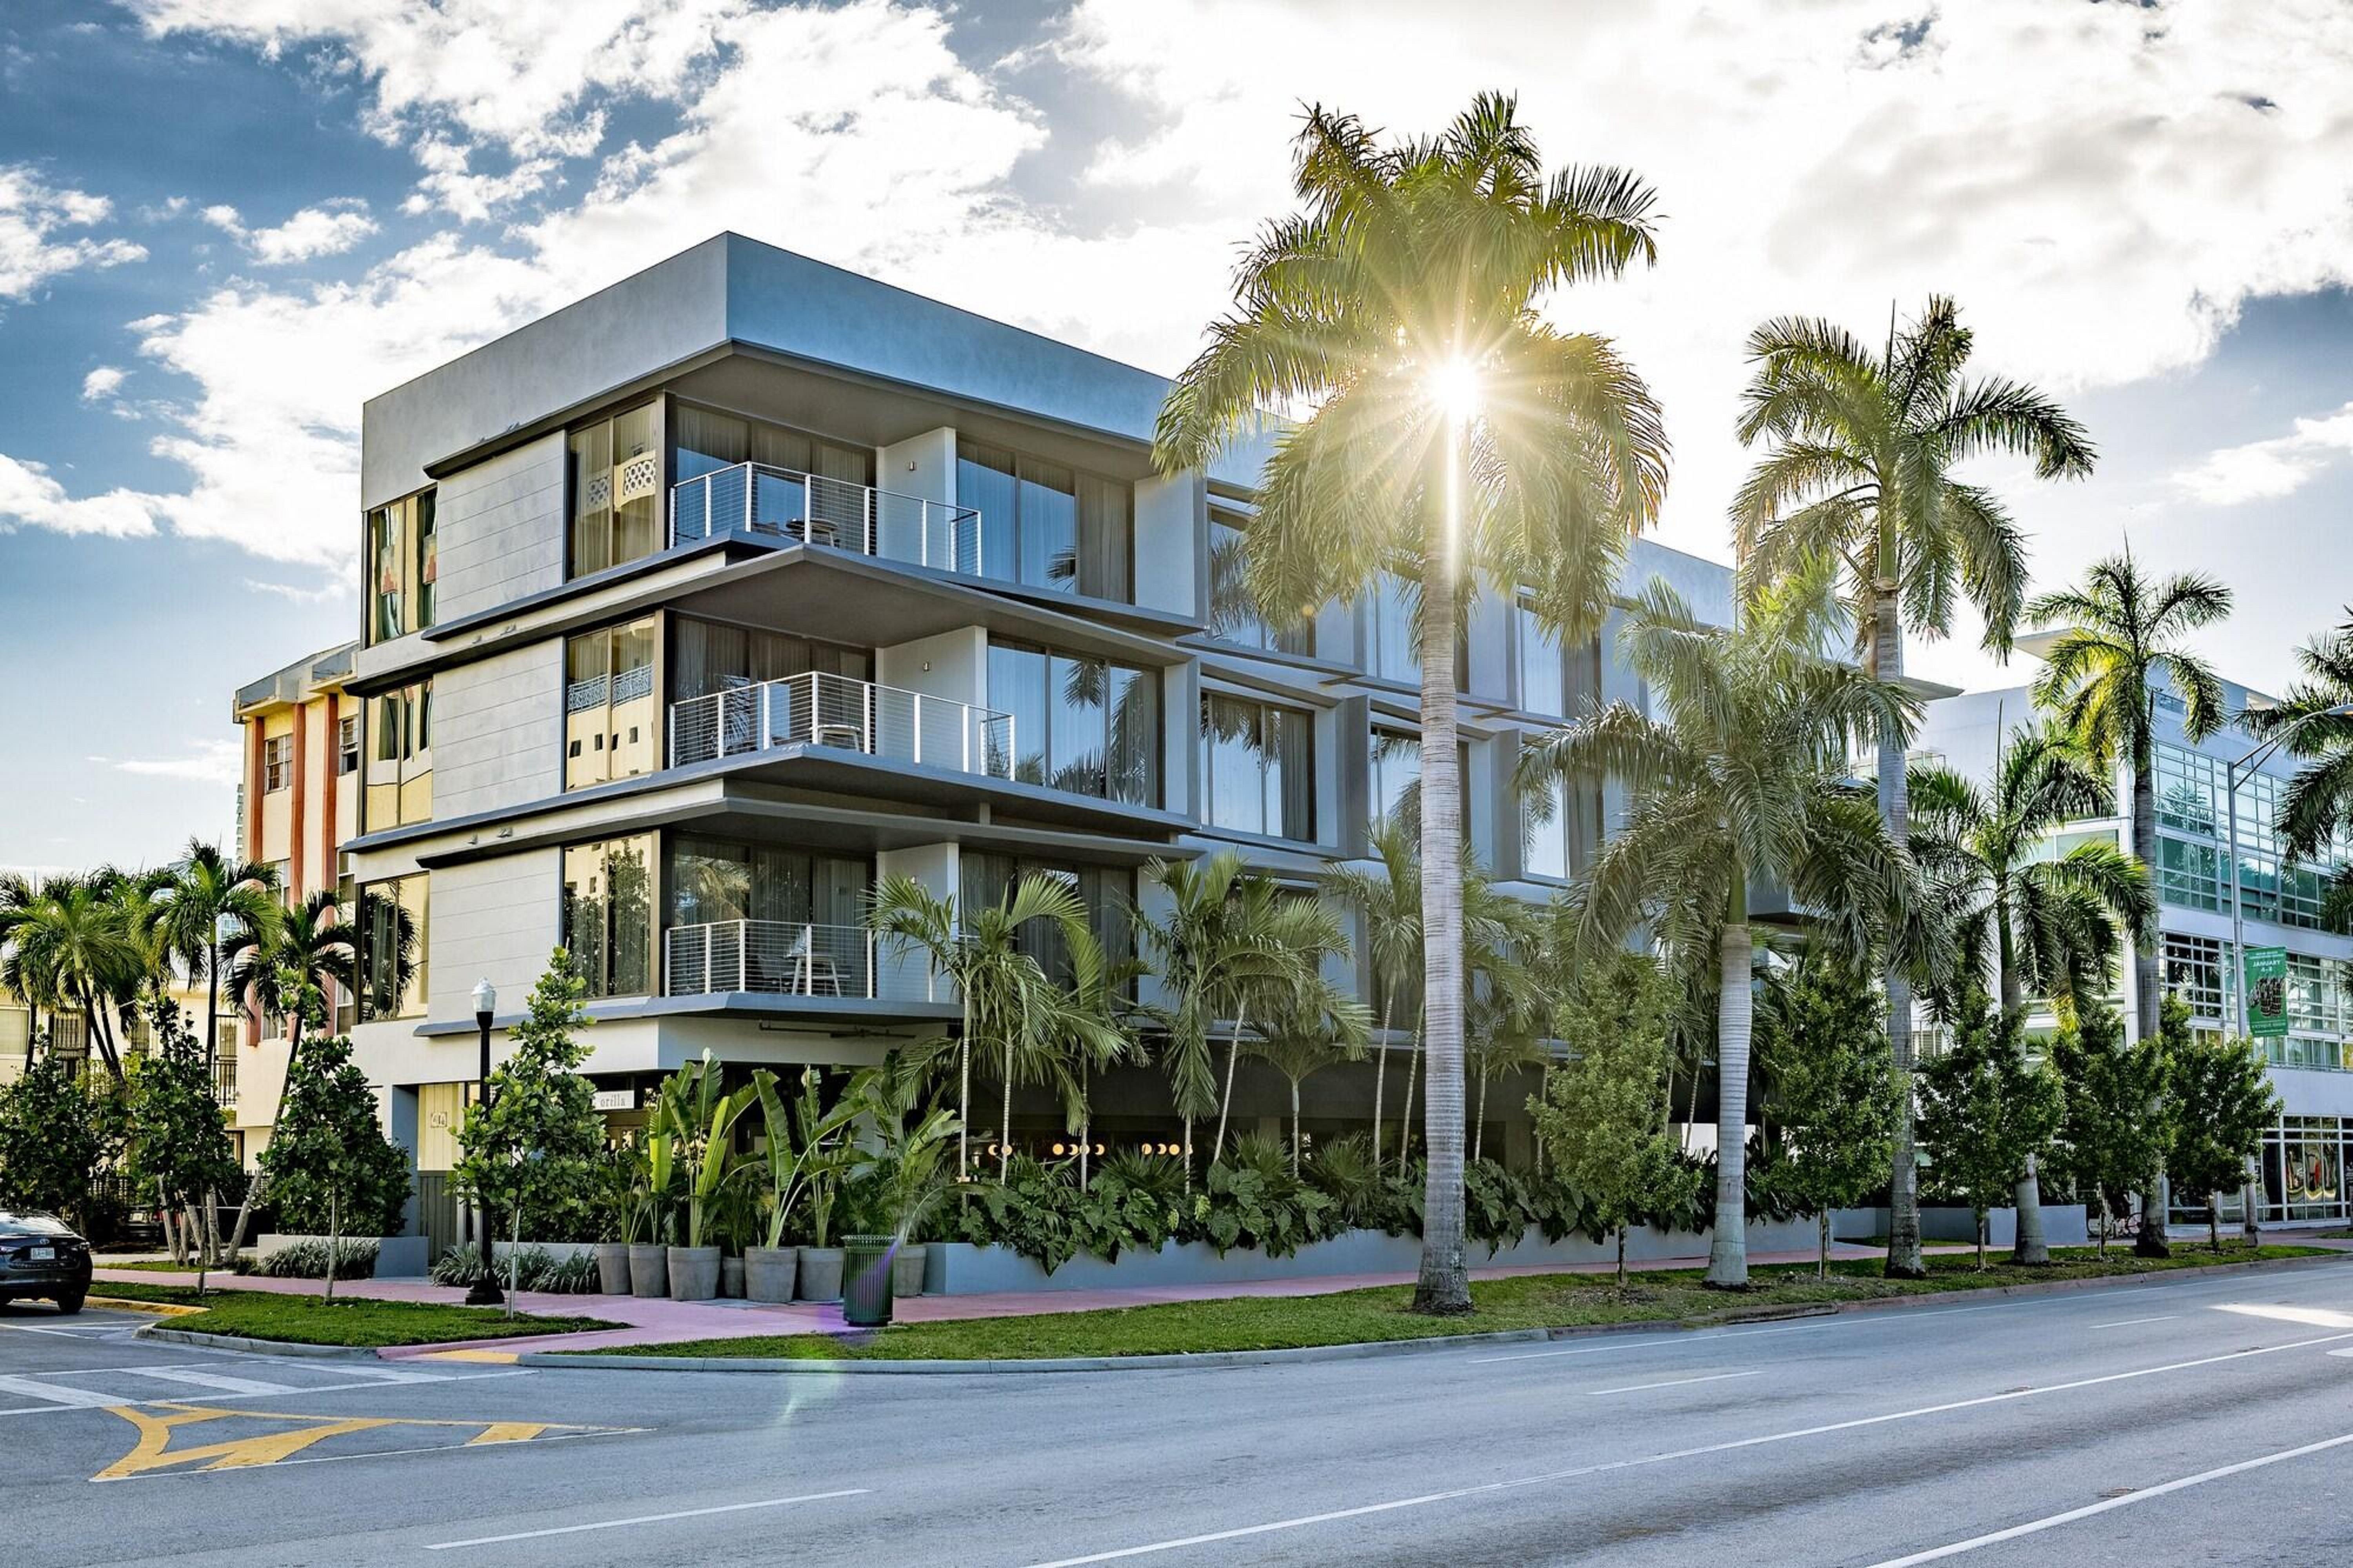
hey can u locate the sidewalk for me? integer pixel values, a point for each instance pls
(658, 1321)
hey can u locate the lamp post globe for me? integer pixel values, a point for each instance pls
(485, 1289)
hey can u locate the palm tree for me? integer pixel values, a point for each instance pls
(207, 899)
(29, 979)
(1860, 472)
(1509, 1013)
(980, 951)
(1453, 430)
(2313, 724)
(1742, 778)
(74, 949)
(2120, 637)
(2051, 923)
(1309, 1030)
(1385, 897)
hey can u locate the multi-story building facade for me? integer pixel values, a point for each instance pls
(697, 608)
(2305, 1155)
(298, 806)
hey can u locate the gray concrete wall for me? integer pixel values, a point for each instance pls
(498, 731)
(494, 920)
(501, 526)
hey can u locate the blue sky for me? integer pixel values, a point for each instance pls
(224, 223)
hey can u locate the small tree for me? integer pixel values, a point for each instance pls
(58, 1130)
(177, 1139)
(1983, 1110)
(1824, 1046)
(2219, 1100)
(1602, 1115)
(329, 1164)
(536, 1149)
(2109, 1146)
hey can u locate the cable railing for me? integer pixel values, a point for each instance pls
(816, 709)
(791, 958)
(756, 498)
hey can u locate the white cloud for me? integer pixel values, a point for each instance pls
(338, 586)
(33, 248)
(2266, 470)
(206, 762)
(30, 495)
(329, 230)
(101, 384)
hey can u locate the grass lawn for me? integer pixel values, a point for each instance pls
(348, 1320)
(155, 1266)
(1524, 1302)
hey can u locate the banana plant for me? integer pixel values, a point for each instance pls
(698, 1123)
(802, 1142)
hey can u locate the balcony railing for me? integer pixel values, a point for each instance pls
(225, 1078)
(754, 497)
(790, 958)
(820, 709)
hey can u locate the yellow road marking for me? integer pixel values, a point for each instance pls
(496, 1358)
(154, 1451)
(161, 1309)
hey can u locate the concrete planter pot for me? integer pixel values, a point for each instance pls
(693, 1273)
(907, 1269)
(770, 1273)
(648, 1269)
(613, 1268)
(820, 1274)
(731, 1278)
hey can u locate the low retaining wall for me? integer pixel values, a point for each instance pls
(960, 1268)
(2064, 1225)
(397, 1256)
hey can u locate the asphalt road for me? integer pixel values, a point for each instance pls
(2189, 1421)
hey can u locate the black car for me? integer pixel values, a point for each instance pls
(41, 1256)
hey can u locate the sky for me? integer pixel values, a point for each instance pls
(224, 223)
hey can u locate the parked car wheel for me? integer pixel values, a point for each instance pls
(70, 1302)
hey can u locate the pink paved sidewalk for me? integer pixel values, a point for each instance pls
(660, 1321)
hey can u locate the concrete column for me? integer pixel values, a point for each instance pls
(920, 469)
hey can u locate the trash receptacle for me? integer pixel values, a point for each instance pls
(866, 1281)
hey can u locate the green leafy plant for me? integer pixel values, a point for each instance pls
(178, 1144)
(2218, 1102)
(695, 1128)
(2109, 1145)
(316, 1258)
(1984, 1110)
(328, 1159)
(1824, 1050)
(1251, 1199)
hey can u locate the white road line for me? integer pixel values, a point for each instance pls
(648, 1518)
(1670, 1383)
(60, 1395)
(2072, 1515)
(1608, 1466)
(2311, 1317)
(2128, 1322)
(210, 1380)
(98, 1400)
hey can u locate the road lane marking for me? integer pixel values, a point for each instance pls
(218, 1381)
(1610, 1466)
(2311, 1317)
(646, 1518)
(1670, 1383)
(2037, 1526)
(153, 1452)
(57, 1394)
(2128, 1322)
(110, 1401)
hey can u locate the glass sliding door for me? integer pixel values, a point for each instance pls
(1047, 525)
(617, 498)
(1261, 762)
(608, 902)
(1080, 723)
(612, 712)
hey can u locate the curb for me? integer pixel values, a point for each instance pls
(254, 1347)
(1368, 1349)
(125, 1304)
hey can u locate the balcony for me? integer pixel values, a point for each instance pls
(835, 711)
(788, 958)
(756, 498)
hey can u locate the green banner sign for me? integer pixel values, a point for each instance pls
(2266, 982)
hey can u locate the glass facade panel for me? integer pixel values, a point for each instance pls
(2195, 972)
(1108, 892)
(397, 783)
(1081, 724)
(723, 879)
(1234, 614)
(1046, 525)
(608, 905)
(393, 938)
(1261, 761)
(617, 495)
(404, 566)
(1559, 829)
(2189, 874)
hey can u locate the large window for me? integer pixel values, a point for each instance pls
(347, 743)
(1260, 765)
(1390, 651)
(765, 916)
(1047, 525)
(277, 762)
(2195, 972)
(609, 909)
(392, 948)
(2189, 792)
(1081, 724)
(1552, 679)
(2190, 874)
(612, 714)
(399, 787)
(1395, 772)
(1233, 611)
(710, 656)
(403, 562)
(1559, 829)
(1107, 891)
(616, 485)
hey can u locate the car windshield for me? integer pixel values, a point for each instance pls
(33, 1223)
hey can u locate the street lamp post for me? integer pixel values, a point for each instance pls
(2232, 772)
(485, 1292)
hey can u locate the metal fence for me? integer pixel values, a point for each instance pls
(755, 498)
(822, 710)
(788, 958)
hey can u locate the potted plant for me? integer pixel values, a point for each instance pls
(698, 1123)
(772, 1270)
(907, 1165)
(824, 1159)
(617, 1216)
(647, 1219)
(735, 1220)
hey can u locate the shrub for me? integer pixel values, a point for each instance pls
(307, 1259)
(535, 1269)
(1251, 1199)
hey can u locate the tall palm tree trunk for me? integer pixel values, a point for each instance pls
(1005, 1126)
(964, 1093)
(1479, 1122)
(2148, 1240)
(1380, 1065)
(1444, 1284)
(1405, 1116)
(2028, 1248)
(1226, 1104)
(1903, 1259)
(1294, 1130)
(1727, 1253)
